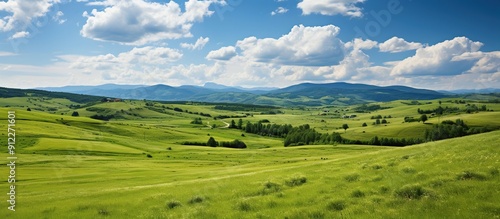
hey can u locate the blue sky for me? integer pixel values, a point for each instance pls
(441, 44)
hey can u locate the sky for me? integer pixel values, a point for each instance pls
(432, 44)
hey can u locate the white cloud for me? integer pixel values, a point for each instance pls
(279, 10)
(358, 44)
(6, 54)
(21, 34)
(199, 44)
(22, 13)
(57, 17)
(439, 59)
(488, 63)
(396, 44)
(331, 7)
(314, 46)
(137, 22)
(224, 53)
(136, 59)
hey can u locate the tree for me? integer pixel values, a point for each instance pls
(345, 127)
(75, 113)
(240, 124)
(29, 109)
(212, 143)
(423, 118)
(364, 124)
(233, 124)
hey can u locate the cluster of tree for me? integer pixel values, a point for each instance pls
(272, 112)
(471, 108)
(380, 117)
(451, 129)
(197, 121)
(227, 117)
(271, 130)
(400, 142)
(243, 107)
(303, 135)
(369, 108)
(103, 117)
(213, 143)
(233, 124)
(439, 110)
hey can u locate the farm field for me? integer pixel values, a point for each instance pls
(136, 164)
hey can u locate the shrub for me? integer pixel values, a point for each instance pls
(358, 194)
(149, 156)
(296, 181)
(411, 192)
(469, 175)
(377, 167)
(173, 204)
(103, 212)
(351, 177)
(270, 187)
(336, 205)
(196, 199)
(244, 206)
(75, 113)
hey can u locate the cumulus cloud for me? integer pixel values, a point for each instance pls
(22, 13)
(279, 10)
(137, 22)
(199, 44)
(358, 44)
(314, 46)
(20, 34)
(136, 58)
(439, 59)
(331, 7)
(224, 53)
(396, 44)
(488, 63)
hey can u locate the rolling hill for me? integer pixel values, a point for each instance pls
(300, 94)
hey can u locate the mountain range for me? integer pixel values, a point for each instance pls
(309, 94)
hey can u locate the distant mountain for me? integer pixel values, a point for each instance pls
(472, 91)
(88, 89)
(300, 94)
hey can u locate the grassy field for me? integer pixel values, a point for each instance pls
(134, 166)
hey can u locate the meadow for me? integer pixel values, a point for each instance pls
(135, 166)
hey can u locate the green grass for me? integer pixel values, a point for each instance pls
(77, 167)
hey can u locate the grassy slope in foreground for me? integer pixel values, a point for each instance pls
(456, 178)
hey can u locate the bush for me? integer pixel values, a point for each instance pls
(270, 187)
(296, 181)
(358, 194)
(244, 206)
(352, 177)
(411, 192)
(149, 156)
(469, 175)
(75, 113)
(196, 199)
(336, 205)
(233, 144)
(173, 204)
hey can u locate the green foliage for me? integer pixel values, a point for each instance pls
(423, 118)
(196, 199)
(233, 144)
(345, 127)
(411, 192)
(470, 175)
(212, 142)
(338, 205)
(75, 113)
(173, 204)
(295, 181)
(197, 121)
